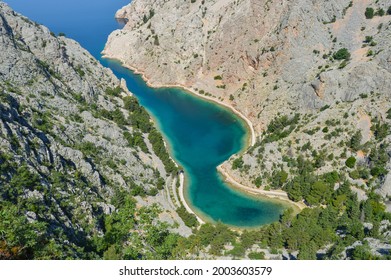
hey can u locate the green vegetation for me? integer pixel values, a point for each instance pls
(47, 69)
(380, 12)
(42, 121)
(350, 162)
(189, 219)
(237, 163)
(114, 91)
(146, 18)
(369, 13)
(88, 149)
(138, 116)
(355, 141)
(218, 77)
(160, 150)
(117, 116)
(279, 179)
(80, 71)
(342, 54)
(136, 140)
(280, 128)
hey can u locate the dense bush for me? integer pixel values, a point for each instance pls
(279, 178)
(350, 162)
(369, 13)
(113, 91)
(88, 149)
(355, 141)
(160, 150)
(138, 116)
(189, 219)
(342, 54)
(136, 140)
(280, 128)
(237, 163)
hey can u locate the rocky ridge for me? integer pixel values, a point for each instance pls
(75, 146)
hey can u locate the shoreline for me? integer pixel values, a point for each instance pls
(251, 137)
(274, 195)
(279, 196)
(183, 200)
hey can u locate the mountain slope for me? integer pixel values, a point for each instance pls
(75, 149)
(314, 79)
(268, 59)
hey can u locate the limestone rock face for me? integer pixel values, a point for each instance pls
(63, 121)
(321, 59)
(259, 48)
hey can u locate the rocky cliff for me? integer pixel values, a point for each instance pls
(313, 78)
(75, 148)
(323, 60)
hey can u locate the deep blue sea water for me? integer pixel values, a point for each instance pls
(201, 135)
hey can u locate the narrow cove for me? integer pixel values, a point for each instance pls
(200, 134)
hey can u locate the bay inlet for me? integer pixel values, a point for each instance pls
(200, 134)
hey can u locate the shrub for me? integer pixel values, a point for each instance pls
(189, 219)
(369, 13)
(80, 71)
(258, 181)
(325, 107)
(350, 162)
(355, 141)
(218, 77)
(368, 39)
(237, 163)
(378, 171)
(389, 11)
(354, 175)
(160, 150)
(113, 91)
(118, 117)
(342, 54)
(156, 41)
(88, 148)
(380, 12)
(256, 256)
(281, 127)
(279, 179)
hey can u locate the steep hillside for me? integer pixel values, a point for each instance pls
(75, 149)
(328, 62)
(314, 79)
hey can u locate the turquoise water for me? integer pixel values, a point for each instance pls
(201, 135)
